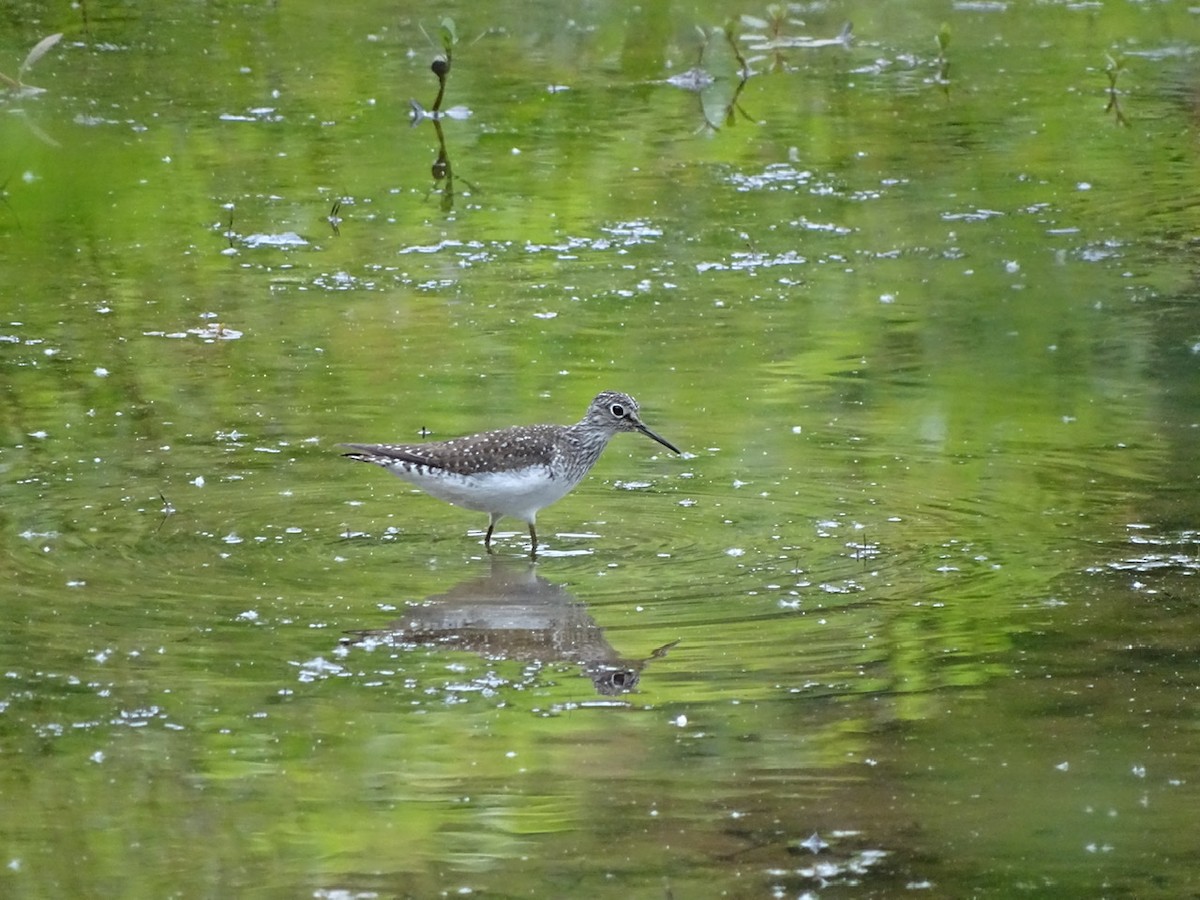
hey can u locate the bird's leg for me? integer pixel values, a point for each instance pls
(487, 538)
(533, 538)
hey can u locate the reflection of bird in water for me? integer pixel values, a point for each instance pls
(513, 613)
(514, 471)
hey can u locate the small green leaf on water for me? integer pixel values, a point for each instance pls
(943, 37)
(449, 33)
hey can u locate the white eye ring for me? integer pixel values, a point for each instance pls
(617, 410)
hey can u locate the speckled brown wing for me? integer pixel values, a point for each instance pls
(491, 451)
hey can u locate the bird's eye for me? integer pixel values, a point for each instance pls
(617, 410)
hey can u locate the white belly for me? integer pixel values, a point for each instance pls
(519, 494)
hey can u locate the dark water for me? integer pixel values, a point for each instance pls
(914, 613)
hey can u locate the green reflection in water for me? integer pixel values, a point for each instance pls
(925, 327)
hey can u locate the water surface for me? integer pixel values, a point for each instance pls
(913, 613)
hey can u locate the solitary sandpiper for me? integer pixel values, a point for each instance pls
(514, 471)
